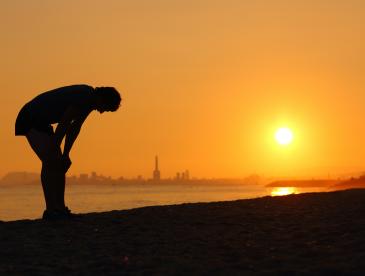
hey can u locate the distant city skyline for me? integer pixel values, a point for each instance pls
(23, 177)
(156, 175)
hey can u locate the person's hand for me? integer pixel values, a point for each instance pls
(66, 162)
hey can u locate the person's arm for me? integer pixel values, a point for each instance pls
(65, 124)
(72, 132)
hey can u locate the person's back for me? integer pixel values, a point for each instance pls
(49, 107)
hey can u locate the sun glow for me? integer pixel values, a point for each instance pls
(284, 136)
(281, 191)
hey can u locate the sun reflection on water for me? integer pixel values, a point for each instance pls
(281, 191)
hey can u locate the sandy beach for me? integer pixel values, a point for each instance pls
(305, 234)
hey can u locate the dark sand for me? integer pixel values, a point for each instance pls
(306, 234)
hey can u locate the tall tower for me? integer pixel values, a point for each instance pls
(156, 172)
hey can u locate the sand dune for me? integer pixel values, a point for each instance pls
(322, 233)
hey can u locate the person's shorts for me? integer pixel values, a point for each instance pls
(24, 123)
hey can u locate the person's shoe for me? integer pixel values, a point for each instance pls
(58, 214)
(69, 214)
(54, 215)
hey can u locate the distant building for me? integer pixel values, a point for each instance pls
(182, 175)
(177, 176)
(187, 175)
(156, 172)
(94, 175)
(20, 178)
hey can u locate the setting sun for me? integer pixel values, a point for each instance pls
(281, 191)
(284, 136)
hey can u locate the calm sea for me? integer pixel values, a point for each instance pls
(26, 201)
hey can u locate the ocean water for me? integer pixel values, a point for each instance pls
(27, 202)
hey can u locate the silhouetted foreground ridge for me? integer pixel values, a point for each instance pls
(321, 233)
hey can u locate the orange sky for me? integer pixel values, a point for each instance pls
(205, 83)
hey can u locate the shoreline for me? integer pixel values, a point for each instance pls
(314, 233)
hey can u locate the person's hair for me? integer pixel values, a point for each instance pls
(110, 96)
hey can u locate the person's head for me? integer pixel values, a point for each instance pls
(107, 99)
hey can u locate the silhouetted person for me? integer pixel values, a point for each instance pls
(68, 107)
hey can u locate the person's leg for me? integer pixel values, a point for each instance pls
(53, 183)
(53, 173)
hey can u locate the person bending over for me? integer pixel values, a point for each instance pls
(67, 106)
